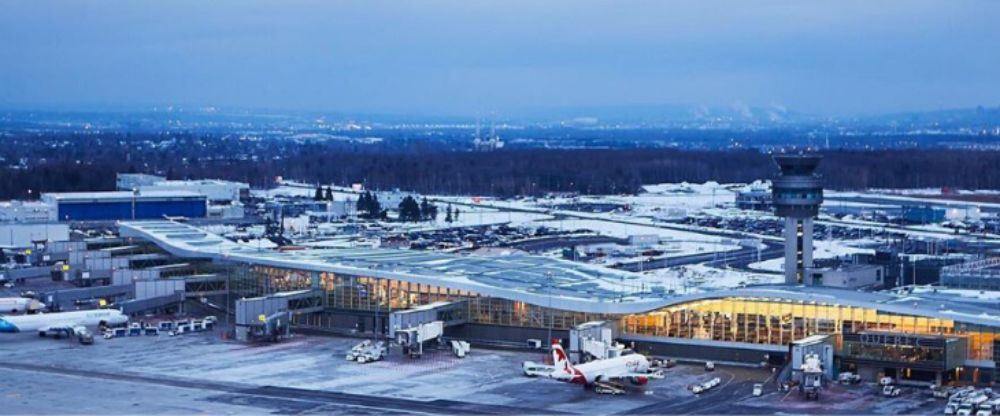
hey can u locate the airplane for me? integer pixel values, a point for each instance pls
(18, 305)
(633, 367)
(60, 323)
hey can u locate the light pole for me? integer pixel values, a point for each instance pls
(549, 274)
(135, 193)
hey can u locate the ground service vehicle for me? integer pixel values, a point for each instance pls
(891, 391)
(848, 378)
(533, 369)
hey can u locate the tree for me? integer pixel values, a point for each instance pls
(456, 214)
(329, 193)
(375, 208)
(428, 211)
(362, 205)
(409, 210)
(319, 194)
(447, 217)
(368, 206)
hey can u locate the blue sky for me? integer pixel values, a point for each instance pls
(466, 57)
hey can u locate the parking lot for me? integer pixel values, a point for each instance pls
(308, 374)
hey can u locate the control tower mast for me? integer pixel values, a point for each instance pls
(797, 194)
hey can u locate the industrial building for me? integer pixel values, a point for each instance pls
(21, 235)
(510, 299)
(979, 275)
(121, 205)
(217, 191)
(25, 212)
(755, 199)
(925, 214)
(847, 276)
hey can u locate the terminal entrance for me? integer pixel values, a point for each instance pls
(904, 357)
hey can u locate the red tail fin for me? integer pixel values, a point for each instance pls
(559, 358)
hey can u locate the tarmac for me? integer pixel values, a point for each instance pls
(203, 373)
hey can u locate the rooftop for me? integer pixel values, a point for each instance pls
(71, 196)
(531, 279)
(574, 286)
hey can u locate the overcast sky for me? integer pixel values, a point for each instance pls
(463, 57)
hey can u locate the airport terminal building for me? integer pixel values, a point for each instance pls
(509, 299)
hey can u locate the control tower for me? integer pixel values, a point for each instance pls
(797, 193)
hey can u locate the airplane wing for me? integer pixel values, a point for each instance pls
(621, 374)
(70, 328)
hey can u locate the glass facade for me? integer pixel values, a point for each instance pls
(362, 293)
(779, 322)
(738, 319)
(915, 355)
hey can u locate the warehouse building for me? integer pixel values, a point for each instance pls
(510, 299)
(120, 205)
(217, 191)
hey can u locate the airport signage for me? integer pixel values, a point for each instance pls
(911, 340)
(889, 339)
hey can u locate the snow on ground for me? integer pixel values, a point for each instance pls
(685, 242)
(983, 295)
(475, 216)
(822, 249)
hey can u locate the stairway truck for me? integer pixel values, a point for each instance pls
(412, 339)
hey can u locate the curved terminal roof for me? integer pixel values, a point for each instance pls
(575, 286)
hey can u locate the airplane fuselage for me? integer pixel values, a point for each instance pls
(594, 371)
(38, 322)
(20, 305)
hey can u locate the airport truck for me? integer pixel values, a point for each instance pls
(460, 348)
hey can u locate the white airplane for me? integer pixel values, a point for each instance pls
(57, 324)
(19, 305)
(633, 367)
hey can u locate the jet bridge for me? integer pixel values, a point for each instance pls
(593, 340)
(450, 313)
(266, 317)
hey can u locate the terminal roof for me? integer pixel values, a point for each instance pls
(574, 286)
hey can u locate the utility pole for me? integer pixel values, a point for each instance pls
(551, 319)
(135, 193)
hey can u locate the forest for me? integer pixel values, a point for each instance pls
(75, 162)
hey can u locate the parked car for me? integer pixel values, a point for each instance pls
(709, 366)
(758, 389)
(891, 391)
(885, 381)
(849, 378)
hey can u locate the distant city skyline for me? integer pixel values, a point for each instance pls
(479, 57)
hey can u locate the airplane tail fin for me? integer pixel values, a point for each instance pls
(559, 358)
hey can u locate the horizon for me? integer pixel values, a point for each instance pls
(446, 58)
